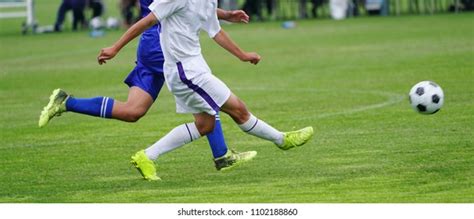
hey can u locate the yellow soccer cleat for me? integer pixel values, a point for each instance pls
(56, 106)
(233, 158)
(145, 166)
(296, 138)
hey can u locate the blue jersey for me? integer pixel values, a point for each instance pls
(149, 48)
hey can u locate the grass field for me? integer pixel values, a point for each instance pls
(348, 79)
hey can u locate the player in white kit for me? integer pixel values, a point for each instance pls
(191, 81)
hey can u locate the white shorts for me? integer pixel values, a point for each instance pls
(194, 87)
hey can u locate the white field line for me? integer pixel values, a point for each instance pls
(392, 98)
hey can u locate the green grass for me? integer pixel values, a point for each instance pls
(348, 79)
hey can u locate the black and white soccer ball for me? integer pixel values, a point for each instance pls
(426, 97)
(113, 23)
(96, 23)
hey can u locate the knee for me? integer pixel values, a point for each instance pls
(243, 116)
(134, 115)
(205, 127)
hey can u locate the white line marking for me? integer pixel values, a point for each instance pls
(392, 98)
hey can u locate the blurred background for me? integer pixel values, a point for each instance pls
(58, 15)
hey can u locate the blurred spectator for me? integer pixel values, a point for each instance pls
(338, 9)
(127, 7)
(97, 7)
(379, 7)
(468, 5)
(314, 9)
(253, 8)
(271, 4)
(355, 4)
(77, 7)
(302, 9)
(316, 5)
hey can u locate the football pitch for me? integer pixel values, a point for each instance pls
(348, 79)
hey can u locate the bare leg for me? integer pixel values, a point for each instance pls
(204, 123)
(236, 109)
(138, 103)
(249, 123)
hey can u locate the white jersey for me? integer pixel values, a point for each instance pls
(187, 74)
(181, 22)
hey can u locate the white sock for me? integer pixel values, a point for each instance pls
(259, 128)
(176, 138)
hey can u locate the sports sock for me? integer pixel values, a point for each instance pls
(259, 128)
(97, 106)
(216, 140)
(176, 138)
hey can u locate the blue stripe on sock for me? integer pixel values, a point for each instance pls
(102, 106)
(90, 106)
(109, 107)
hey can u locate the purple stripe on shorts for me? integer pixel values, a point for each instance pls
(196, 88)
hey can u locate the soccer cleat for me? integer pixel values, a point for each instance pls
(296, 138)
(145, 166)
(233, 158)
(56, 106)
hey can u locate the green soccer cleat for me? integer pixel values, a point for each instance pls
(145, 166)
(233, 158)
(56, 106)
(296, 138)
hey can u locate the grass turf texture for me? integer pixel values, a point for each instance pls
(348, 79)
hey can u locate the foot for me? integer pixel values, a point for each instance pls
(296, 138)
(145, 166)
(56, 106)
(233, 158)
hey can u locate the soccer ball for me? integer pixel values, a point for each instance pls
(113, 23)
(426, 97)
(96, 23)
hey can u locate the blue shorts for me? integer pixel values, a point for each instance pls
(149, 78)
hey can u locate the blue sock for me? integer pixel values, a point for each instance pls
(216, 140)
(97, 106)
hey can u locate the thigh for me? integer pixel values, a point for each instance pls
(139, 99)
(148, 78)
(231, 104)
(236, 109)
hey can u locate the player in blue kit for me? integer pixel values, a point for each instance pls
(145, 82)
